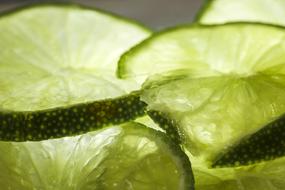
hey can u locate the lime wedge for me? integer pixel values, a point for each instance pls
(57, 71)
(129, 156)
(228, 83)
(223, 11)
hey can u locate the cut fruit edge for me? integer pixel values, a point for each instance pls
(128, 70)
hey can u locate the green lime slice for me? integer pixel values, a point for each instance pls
(58, 55)
(191, 47)
(57, 71)
(228, 83)
(129, 156)
(223, 11)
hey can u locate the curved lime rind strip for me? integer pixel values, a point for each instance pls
(187, 175)
(69, 121)
(166, 123)
(266, 144)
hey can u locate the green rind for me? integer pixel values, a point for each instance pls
(68, 121)
(188, 178)
(166, 123)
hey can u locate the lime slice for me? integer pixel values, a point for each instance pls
(191, 47)
(229, 83)
(129, 156)
(63, 54)
(57, 70)
(223, 11)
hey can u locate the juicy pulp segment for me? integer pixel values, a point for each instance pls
(267, 143)
(262, 176)
(223, 11)
(67, 59)
(213, 113)
(119, 157)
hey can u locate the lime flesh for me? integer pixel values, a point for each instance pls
(129, 156)
(67, 59)
(58, 61)
(57, 75)
(254, 48)
(223, 11)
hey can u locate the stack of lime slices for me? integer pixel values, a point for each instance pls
(73, 80)
(63, 111)
(222, 89)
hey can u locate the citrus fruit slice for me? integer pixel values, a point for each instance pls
(223, 11)
(129, 156)
(180, 48)
(228, 84)
(57, 58)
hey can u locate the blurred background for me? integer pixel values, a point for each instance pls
(156, 14)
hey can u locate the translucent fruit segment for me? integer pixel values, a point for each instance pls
(64, 60)
(266, 144)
